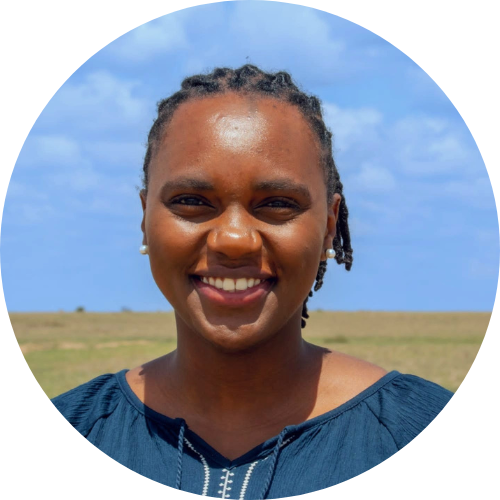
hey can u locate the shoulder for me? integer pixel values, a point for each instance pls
(406, 405)
(413, 393)
(84, 405)
(353, 371)
(343, 378)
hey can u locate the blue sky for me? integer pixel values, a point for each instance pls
(423, 218)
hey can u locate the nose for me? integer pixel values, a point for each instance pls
(234, 235)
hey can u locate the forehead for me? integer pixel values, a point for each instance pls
(231, 133)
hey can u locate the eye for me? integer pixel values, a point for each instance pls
(280, 204)
(192, 201)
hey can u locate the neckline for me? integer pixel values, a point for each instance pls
(262, 449)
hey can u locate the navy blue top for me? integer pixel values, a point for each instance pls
(310, 456)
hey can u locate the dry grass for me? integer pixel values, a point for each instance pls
(66, 349)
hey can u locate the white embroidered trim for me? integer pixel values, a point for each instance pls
(286, 442)
(205, 468)
(247, 479)
(225, 486)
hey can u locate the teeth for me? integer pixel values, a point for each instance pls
(231, 285)
(241, 284)
(228, 285)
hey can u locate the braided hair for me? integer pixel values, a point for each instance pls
(251, 80)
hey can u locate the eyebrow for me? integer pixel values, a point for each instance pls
(284, 185)
(269, 185)
(186, 183)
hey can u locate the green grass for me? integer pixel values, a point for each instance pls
(64, 350)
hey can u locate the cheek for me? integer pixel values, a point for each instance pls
(298, 251)
(173, 248)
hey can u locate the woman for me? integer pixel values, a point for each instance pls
(243, 206)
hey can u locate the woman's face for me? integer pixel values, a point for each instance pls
(236, 217)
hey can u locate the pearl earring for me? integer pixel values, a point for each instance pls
(144, 249)
(330, 253)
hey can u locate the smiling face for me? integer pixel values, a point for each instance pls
(236, 217)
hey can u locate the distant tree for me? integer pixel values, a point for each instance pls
(80, 309)
(126, 309)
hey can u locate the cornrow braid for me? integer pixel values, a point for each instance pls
(251, 80)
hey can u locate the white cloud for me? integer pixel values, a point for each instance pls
(21, 190)
(50, 151)
(109, 197)
(76, 179)
(65, 178)
(102, 101)
(427, 146)
(416, 146)
(477, 192)
(352, 126)
(308, 43)
(377, 207)
(308, 28)
(26, 213)
(90, 182)
(117, 153)
(372, 178)
(447, 149)
(160, 36)
(283, 37)
(26, 204)
(127, 204)
(359, 227)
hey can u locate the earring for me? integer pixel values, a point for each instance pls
(330, 253)
(144, 249)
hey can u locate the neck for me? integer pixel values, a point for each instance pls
(271, 381)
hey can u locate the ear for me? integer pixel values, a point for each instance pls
(331, 224)
(143, 196)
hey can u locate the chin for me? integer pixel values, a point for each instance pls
(236, 331)
(230, 335)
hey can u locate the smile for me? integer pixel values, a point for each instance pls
(230, 284)
(235, 292)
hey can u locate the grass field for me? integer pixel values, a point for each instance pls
(64, 350)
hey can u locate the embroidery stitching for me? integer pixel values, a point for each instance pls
(227, 481)
(205, 468)
(247, 480)
(224, 492)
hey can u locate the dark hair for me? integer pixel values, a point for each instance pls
(251, 80)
